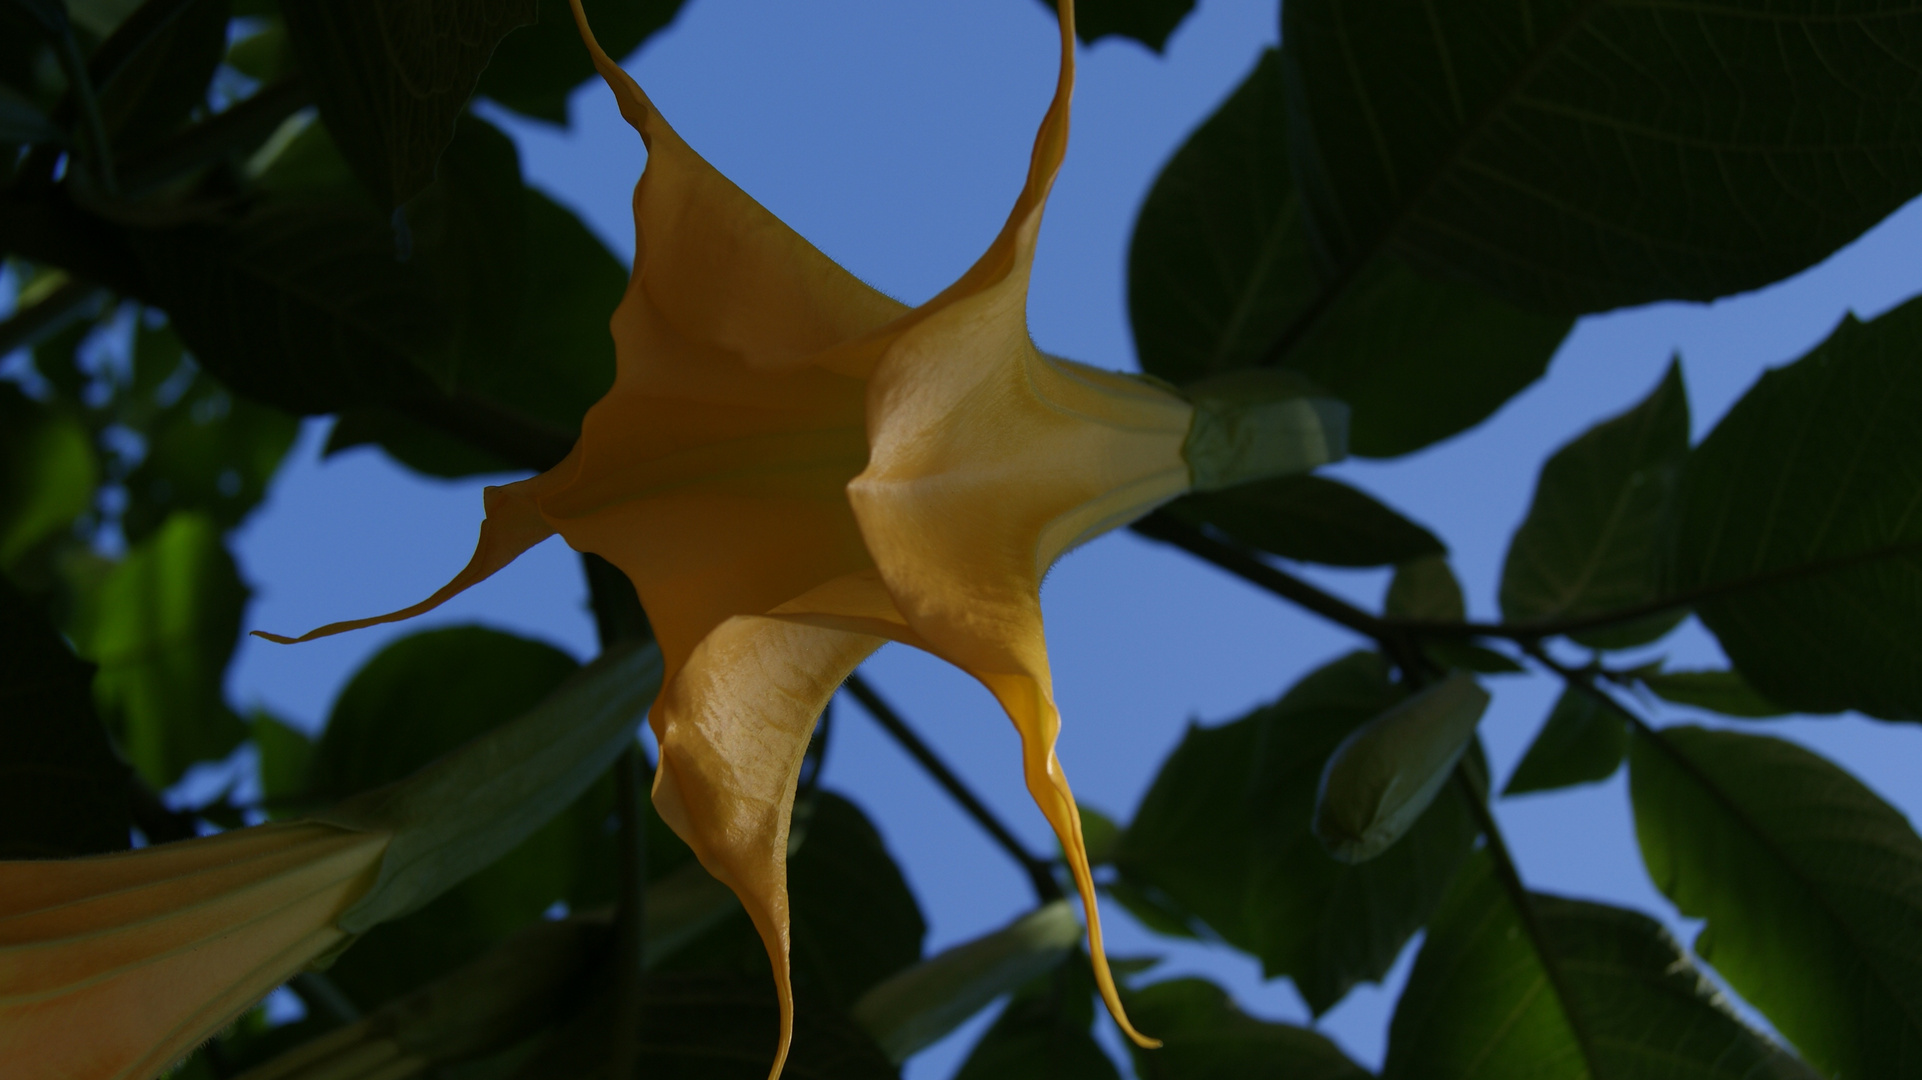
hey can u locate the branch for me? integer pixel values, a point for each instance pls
(247, 123)
(1046, 888)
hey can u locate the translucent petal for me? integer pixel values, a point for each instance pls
(115, 966)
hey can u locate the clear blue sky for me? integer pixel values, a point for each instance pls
(894, 136)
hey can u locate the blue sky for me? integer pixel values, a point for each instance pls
(894, 136)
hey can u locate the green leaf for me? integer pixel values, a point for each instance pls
(1725, 692)
(1205, 1037)
(920, 1005)
(1593, 532)
(1387, 772)
(1811, 886)
(162, 627)
(1797, 521)
(173, 50)
(1579, 157)
(47, 473)
(1567, 989)
(207, 451)
(1043, 1033)
(854, 920)
(1223, 834)
(1313, 519)
(1147, 21)
(1425, 588)
(300, 305)
(392, 76)
(1581, 743)
(715, 1027)
(22, 122)
(556, 362)
(416, 701)
(1221, 276)
(285, 757)
(62, 790)
(538, 66)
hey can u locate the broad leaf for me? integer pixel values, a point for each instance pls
(1798, 529)
(1591, 538)
(1811, 886)
(1147, 21)
(713, 1027)
(1313, 519)
(161, 627)
(171, 53)
(1205, 1037)
(1387, 772)
(392, 76)
(1223, 834)
(1221, 276)
(1583, 156)
(1725, 692)
(47, 474)
(207, 450)
(415, 701)
(1568, 989)
(62, 790)
(1043, 1033)
(1582, 742)
(558, 360)
(855, 922)
(302, 306)
(537, 66)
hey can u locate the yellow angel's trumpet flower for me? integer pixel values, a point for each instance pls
(793, 468)
(114, 967)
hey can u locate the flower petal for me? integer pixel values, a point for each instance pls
(115, 966)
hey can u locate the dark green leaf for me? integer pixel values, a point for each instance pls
(557, 360)
(1313, 519)
(1811, 885)
(697, 1026)
(1581, 743)
(62, 790)
(1583, 156)
(1725, 692)
(300, 306)
(1147, 21)
(855, 922)
(1569, 989)
(1797, 516)
(207, 451)
(21, 121)
(161, 627)
(391, 77)
(285, 755)
(47, 473)
(166, 74)
(1220, 276)
(1043, 1033)
(1455, 653)
(1425, 588)
(1591, 538)
(416, 700)
(1224, 834)
(1205, 1037)
(264, 54)
(537, 66)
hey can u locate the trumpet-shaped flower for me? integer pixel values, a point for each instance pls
(113, 967)
(793, 469)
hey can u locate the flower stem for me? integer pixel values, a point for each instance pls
(1046, 889)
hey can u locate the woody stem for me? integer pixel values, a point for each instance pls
(1046, 888)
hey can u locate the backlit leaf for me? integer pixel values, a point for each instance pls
(1582, 742)
(1313, 519)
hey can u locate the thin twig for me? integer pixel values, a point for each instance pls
(1045, 887)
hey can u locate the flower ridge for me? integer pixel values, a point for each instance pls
(792, 469)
